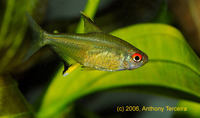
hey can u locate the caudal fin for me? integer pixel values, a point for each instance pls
(37, 37)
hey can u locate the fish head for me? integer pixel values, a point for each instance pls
(135, 59)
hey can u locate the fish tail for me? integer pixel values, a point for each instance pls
(38, 37)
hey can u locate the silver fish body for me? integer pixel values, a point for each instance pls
(94, 49)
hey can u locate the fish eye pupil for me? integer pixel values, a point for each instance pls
(137, 58)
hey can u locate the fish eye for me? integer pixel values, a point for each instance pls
(137, 57)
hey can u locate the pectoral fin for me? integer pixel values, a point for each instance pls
(89, 24)
(70, 68)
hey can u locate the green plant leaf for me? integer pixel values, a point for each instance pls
(90, 9)
(173, 70)
(12, 102)
(191, 110)
(12, 32)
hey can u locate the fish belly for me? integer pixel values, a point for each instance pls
(103, 60)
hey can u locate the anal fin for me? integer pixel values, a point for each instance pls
(71, 68)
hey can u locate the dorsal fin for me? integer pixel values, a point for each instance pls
(89, 24)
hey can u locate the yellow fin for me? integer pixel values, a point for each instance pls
(70, 69)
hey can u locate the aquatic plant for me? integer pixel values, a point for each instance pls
(173, 69)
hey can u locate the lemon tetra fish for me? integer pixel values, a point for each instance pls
(93, 49)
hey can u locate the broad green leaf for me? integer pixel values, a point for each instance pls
(12, 103)
(173, 70)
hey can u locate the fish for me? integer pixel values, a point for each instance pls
(93, 49)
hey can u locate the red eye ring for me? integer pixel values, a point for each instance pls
(137, 57)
